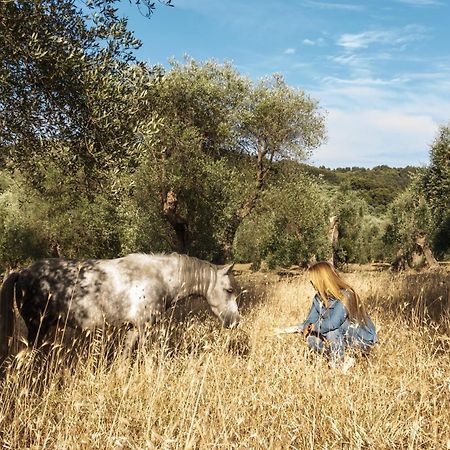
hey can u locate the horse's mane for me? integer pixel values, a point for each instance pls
(195, 274)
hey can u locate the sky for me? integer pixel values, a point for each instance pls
(379, 69)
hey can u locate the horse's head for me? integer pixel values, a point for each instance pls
(222, 297)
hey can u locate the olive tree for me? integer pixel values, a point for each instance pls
(191, 167)
(435, 187)
(288, 226)
(72, 102)
(211, 113)
(68, 79)
(278, 122)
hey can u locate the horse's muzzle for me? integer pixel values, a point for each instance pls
(231, 320)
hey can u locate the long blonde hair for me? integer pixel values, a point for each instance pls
(328, 284)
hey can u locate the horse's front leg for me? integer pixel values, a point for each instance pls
(131, 340)
(136, 336)
(134, 340)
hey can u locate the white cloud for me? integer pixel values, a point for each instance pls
(346, 60)
(362, 65)
(375, 121)
(290, 51)
(373, 136)
(364, 82)
(421, 2)
(332, 5)
(319, 41)
(363, 40)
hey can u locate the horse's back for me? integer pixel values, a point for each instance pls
(142, 281)
(132, 288)
(56, 275)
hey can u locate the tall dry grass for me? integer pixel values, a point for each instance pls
(196, 386)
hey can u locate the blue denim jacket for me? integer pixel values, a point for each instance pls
(335, 317)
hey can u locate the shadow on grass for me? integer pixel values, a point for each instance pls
(256, 288)
(420, 296)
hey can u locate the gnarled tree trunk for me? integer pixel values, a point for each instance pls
(179, 223)
(422, 242)
(400, 261)
(247, 205)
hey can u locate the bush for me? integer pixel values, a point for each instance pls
(289, 226)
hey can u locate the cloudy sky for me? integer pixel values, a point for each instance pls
(380, 69)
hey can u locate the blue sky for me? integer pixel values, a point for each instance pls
(380, 69)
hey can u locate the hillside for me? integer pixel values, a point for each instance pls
(378, 186)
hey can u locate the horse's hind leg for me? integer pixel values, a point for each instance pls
(37, 330)
(33, 309)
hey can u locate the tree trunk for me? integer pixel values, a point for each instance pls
(421, 241)
(233, 225)
(246, 208)
(179, 223)
(400, 261)
(333, 237)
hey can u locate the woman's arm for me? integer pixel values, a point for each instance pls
(337, 317)
(313, 314)
(312, 317)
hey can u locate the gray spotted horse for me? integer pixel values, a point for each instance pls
(135, 289)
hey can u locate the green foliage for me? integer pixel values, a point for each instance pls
(288, 226)
(423, 209)
(209, 112)
(191, 157)
(203, 98)
(73, 104)
(360, 230)
(66, 79)
(103, 155)
(99, 142)
(435, 186)
(21, 235)
(37, 224)
(280, 121)
(410, 216)
(277, 123)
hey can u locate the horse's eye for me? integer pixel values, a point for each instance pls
(229, 290)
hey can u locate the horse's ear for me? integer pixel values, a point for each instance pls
(227, 269)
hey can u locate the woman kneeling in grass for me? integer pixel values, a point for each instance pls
(337, 320)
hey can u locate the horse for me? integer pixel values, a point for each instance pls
(135, 289)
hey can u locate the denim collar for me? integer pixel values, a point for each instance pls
(332, 301)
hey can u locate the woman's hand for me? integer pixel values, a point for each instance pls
(308, 330)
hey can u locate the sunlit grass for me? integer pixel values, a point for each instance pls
(195, 385)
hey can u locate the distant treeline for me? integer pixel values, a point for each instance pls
(378, 186)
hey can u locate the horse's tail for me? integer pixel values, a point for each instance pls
(7, 314)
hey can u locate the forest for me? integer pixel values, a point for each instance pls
(103, 155)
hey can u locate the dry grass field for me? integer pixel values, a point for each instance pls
(194, 385)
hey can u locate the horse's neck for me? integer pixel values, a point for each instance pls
(194, 279)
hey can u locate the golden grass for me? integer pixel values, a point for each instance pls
(197, 386)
